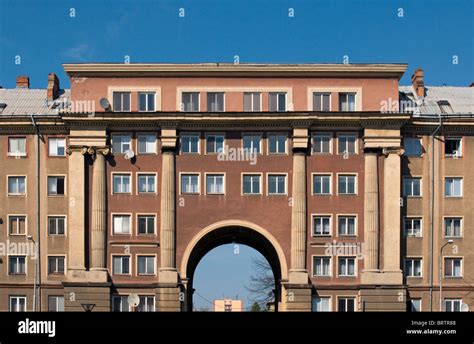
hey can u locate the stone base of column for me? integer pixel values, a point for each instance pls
(296, 297)
(78, 295)
(168, 275)
(383, 299)
(376, 277)
(298, 276)
(169, 298)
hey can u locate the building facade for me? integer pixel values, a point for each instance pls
(349, 185)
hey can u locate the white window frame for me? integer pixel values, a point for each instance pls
(50, 146)
(56, 297)
(253, 174)
(313, 93)
(182, 106)
(56, 176)
(313, 227)
(50, 217)
(219, 174)
(17, 194)
(339, 274)
(347, 216)
(412, 304)
(17, 297)
(322, 134)
(285, 176)
(9, 216)
(141, 135)
(146, 297)
(216, 151)
(122, 298)
(122, 175)
(356, 143)
(57, 257)
(411, 261)
(123, 93)
(252, 101)
(347, 93)
(141, 215)
(17, 154)
(452, 301)
(17, 256)
(122, 143)
(348, 174)
(273, 134)
(453, 178)
(341, 297)
(147, 101)
(452, 259)
(121, 264)
(461, 223)
(411, 179)
(410, 233)
(113, 216)
(321, 175)
(252, 151)
(458, 154)
(153, 256)
(320, 297)
(278, 101)
(320, 258)
(215, 94)
(183, 174)
(182, 135)
(146, 175)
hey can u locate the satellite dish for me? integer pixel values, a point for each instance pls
(129, 154)
(464, 307)
(133, 300)
(104, 103)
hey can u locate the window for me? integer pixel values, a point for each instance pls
(412, 146)
(347, 143)
(122, 101)
(251, 143)
(146, 101)
(190, 144)
(412, 227)
(445, 106)
(277, 102)
(56, 225)
(347, 101)
(121, 143)
(415, 305)
(453, 187)
(452, 267)
(17, 303)
(413, 267)
(17, 265)
(56, 265)
(190, 183)
(147, 144)
(121, 183)
(121, 265)
(214, 144)
(146, 224)
(57, 146)
(322, 184)
(251, 184)
(121, 224)
(215, 101)
(347, 266)
(412, 187)
(347, 225)
(322, 266)
(214, 184)
(276, 184)
(346, 184)
(190, 101)
(146, 183)
(322, 143)
(346, 304)
(321, 225)
(452, 227)
(55, 303)
(56, 186)
(252, 102)
(321, 304)
(321, 101)
(17, 225)
(452, 305)
(147, 304)
(146, 265)
(16, 185)
(17, 146)
(276, 144)
(452, 147)
(120, 304)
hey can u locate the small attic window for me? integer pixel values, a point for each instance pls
(445, 107)
(2, 107)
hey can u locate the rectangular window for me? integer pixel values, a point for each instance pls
(190, 143)
(56, 225)
(347, 226)
(321, 101)
(214, 144)
(252, 102)
(17, 146)
(412, 187)
(413, 267)
(190, 183)
(346, 184)
(415, 305)
(347, 101)
(122, 183)
(146, 224)
(55, 303)
(321, 225)
(56, 186)
(276, 184)
(251, 143)
(146, 183)
(277, 102)
(122, 101)
(215, 101)
(276, 144)
(56, 265)
(452, 227)
(147, 144)
(17, 225)
(346, 304)
(57, 146)
(322, 184)
(452, 267)
(453, 187)
(347, 143)
(347, 266)
(17, 303)
(146, 101)
(120, 304)
(453, 147)
(147, 304)
(121, 143)
(16, 185)
(452, 305)
(121, 265)
(321, 266)
(121, 224)
(146, 265)
(214, 184)
(412, 227)
(251, 184)
(17, 265)
(190, 101)
(321, 304)
(412, 146)
(322, 143)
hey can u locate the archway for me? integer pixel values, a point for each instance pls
(238, 232)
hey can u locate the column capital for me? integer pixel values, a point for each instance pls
(393, 150)
(91, 150)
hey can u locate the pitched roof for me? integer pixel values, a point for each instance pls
(25, 101)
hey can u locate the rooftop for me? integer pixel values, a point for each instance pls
(25, 101)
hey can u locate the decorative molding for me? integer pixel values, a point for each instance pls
(393, 150)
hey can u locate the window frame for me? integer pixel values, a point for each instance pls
(54, 216)
(144, 134)
(17, 256)
(313, 183)
(122, 174)
(147, 101)
(9, 216)
(112, 224)
(346, 298)
(181, 174)
(216, 152)
(328, 93)
(461, 148)
(347, 216)
(55, 138)
(17, 155)
(223, 175)
(122, 92)
(324, 134)
(260, 146)
(56, 256)
(412, 218)
(188, 134)
(273, 134)
(182, 105)
(10, 194)
(278, 93)
(120, 255)
(453, 178)
(141, 215)
(64, 176)
(346, 94)
(313, 265)
(461, 224)
(146, 174)
(252, 101)
(215, 94)
(356, 182)
(413, 260)
(260, 175)
(355, 266)
(461, 266)
(144, 255)
(347, 134)
(404, 179)
(11, 297)
(282, 174)
(313, 227)
(122, 151)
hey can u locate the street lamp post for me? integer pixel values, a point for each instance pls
(449, 242)
(29, 237)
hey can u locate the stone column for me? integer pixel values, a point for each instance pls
(168, 212)
(371, 213)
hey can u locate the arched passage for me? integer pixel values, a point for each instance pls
(233, 231)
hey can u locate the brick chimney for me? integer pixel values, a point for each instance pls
(472, 84)
(53, 86)
(418, 83)
(22, 81)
